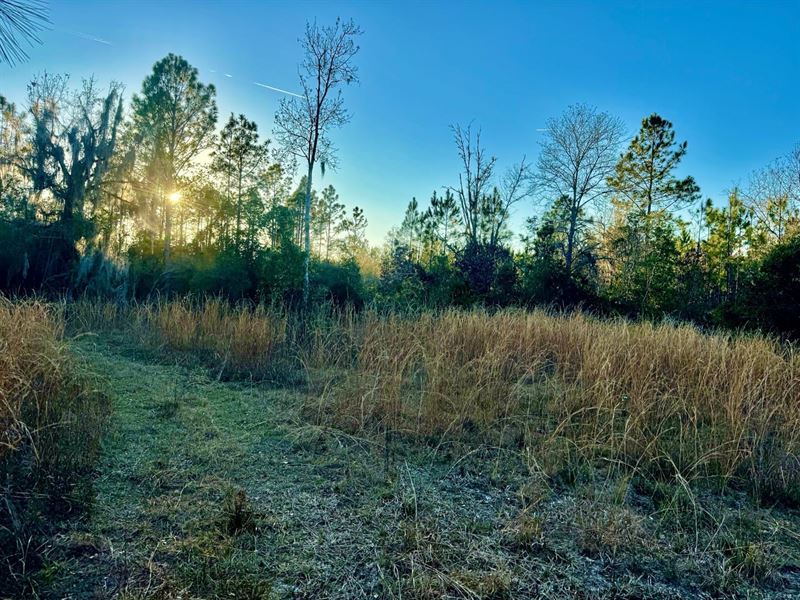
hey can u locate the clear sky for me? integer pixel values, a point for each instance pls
(727, 74)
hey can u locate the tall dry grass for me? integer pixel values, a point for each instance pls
(46, 401)
(660, 400)
(243, 339)
(51, 418)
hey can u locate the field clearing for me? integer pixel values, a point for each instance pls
(448, 455)
(661, 401)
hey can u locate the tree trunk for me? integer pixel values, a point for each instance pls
(307, 235)
(167, 228)
(573, 218)
(239, 213)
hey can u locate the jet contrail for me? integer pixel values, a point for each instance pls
(86, 36)
(269, 87)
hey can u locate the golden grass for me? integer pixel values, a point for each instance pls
(241, 339)
(51, 420)
(660, 400)
(246, 337)
(44, 399)
(663, 400)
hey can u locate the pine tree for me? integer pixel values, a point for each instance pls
(239, 156)
(174, 118)
(644, 178)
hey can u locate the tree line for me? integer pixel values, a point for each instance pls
(618, 231)
(159, 195)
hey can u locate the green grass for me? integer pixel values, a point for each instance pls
(214, 489)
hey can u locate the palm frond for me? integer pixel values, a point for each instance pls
(20, 21)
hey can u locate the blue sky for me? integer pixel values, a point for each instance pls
(727, 74)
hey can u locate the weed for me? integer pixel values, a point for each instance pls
(238, 513)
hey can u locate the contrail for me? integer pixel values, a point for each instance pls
(269, 87)
(86, 36)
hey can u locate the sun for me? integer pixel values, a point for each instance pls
(175, 197)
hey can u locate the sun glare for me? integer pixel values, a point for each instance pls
(175, 197)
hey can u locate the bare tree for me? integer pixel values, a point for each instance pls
(578, 156)
(486, 205)
(772, 195)
(475, 180)
(302, 125)
(20, 20)
(515, 186)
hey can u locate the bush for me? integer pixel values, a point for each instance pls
(775, 294)
(339, 285)
(488, 275)
(36, 257)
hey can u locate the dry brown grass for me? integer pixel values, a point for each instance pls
(247, 338)
(241, 339)
(51, 417)
(661, 400)
(610, 431)
(44, 398)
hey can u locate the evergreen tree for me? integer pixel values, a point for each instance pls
(327, 214)
(642, 246)
(442, 222)
(410, 232)
(354, 229)
(725, 246)
(174, 118)
(239, 156)
(643, 177)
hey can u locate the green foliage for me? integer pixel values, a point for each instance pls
(544, 279)
(354, 242)
(645, 264)
(400, 284)
(174, 115)
(337, 284)
(37, 257)
(92, 202)
(281, 273)
(643, 177)
(239, 157)
(488, 275)
(774, 297)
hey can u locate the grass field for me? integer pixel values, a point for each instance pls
(471, 455)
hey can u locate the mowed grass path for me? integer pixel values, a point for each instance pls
(321, 517)
(165, 520)
(214, 489)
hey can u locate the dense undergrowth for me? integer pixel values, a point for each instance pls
(51, 416)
